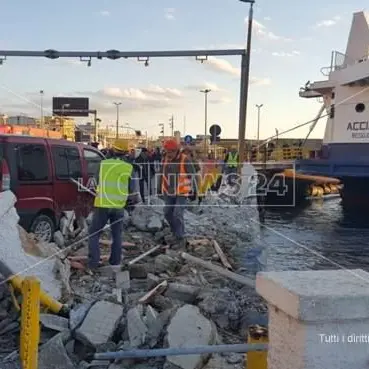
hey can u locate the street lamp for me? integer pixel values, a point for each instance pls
(258, 107)
(245, 79)
(117, 104)
(205, 92)
(42, 108)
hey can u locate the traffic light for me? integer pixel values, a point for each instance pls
(215, 132)
(138, 133)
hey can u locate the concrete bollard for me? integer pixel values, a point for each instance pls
(257, 359)
(317, 319)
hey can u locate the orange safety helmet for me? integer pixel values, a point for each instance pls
(170, 145)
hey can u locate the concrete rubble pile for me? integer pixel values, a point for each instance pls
(160, 301)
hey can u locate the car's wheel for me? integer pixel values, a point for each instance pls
(43, 228)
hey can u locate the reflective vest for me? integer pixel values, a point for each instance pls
(209, 175)
(232, 160)
(113, 188)
(183, 181)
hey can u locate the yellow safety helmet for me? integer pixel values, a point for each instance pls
(120, 145)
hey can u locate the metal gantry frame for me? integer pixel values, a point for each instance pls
(144, 56)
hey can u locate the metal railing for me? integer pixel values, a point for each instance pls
(340, 61)
(280, 154)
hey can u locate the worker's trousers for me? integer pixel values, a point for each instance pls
(100, 218)
(174, 214)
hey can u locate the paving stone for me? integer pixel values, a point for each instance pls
(189, 328)
(54, 322)
(100, 323)
(137, 329)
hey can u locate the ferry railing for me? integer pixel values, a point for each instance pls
(341, 61)
(282, 154)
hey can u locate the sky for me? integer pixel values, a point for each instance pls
(291, 42)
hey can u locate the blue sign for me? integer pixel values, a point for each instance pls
(188, 139)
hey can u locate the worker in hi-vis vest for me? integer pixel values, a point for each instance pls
(114, 192)
(230, 166)
(178, 178)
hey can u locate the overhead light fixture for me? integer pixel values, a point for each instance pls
(145, 60)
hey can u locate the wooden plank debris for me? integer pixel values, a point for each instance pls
(109, 242)
(147, 253)
(222, 271)
(222, 256)
(158, 290)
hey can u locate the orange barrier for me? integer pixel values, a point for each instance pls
(25, 130)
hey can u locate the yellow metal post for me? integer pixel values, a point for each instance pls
(46, 300)
(30, 323)
(257, 359)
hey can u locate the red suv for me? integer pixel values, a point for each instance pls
(39, 171)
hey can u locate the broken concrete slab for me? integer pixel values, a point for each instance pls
(189, 328)
(54, 322)
(53, 354)
(182, 292)
(162, 303)
(155, 328)
(151, 315)
(152, 281)
(122, 280)
(154, 224)
(147, 218)
(110, 270)
(137, 329)
(100, 323)
(78, 314)
(165, 263)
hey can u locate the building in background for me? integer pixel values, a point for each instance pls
(88, 128)
(22, 120)
(66, 126)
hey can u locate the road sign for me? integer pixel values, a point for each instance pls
(71, 106)
(188, 139)
(215, 130)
